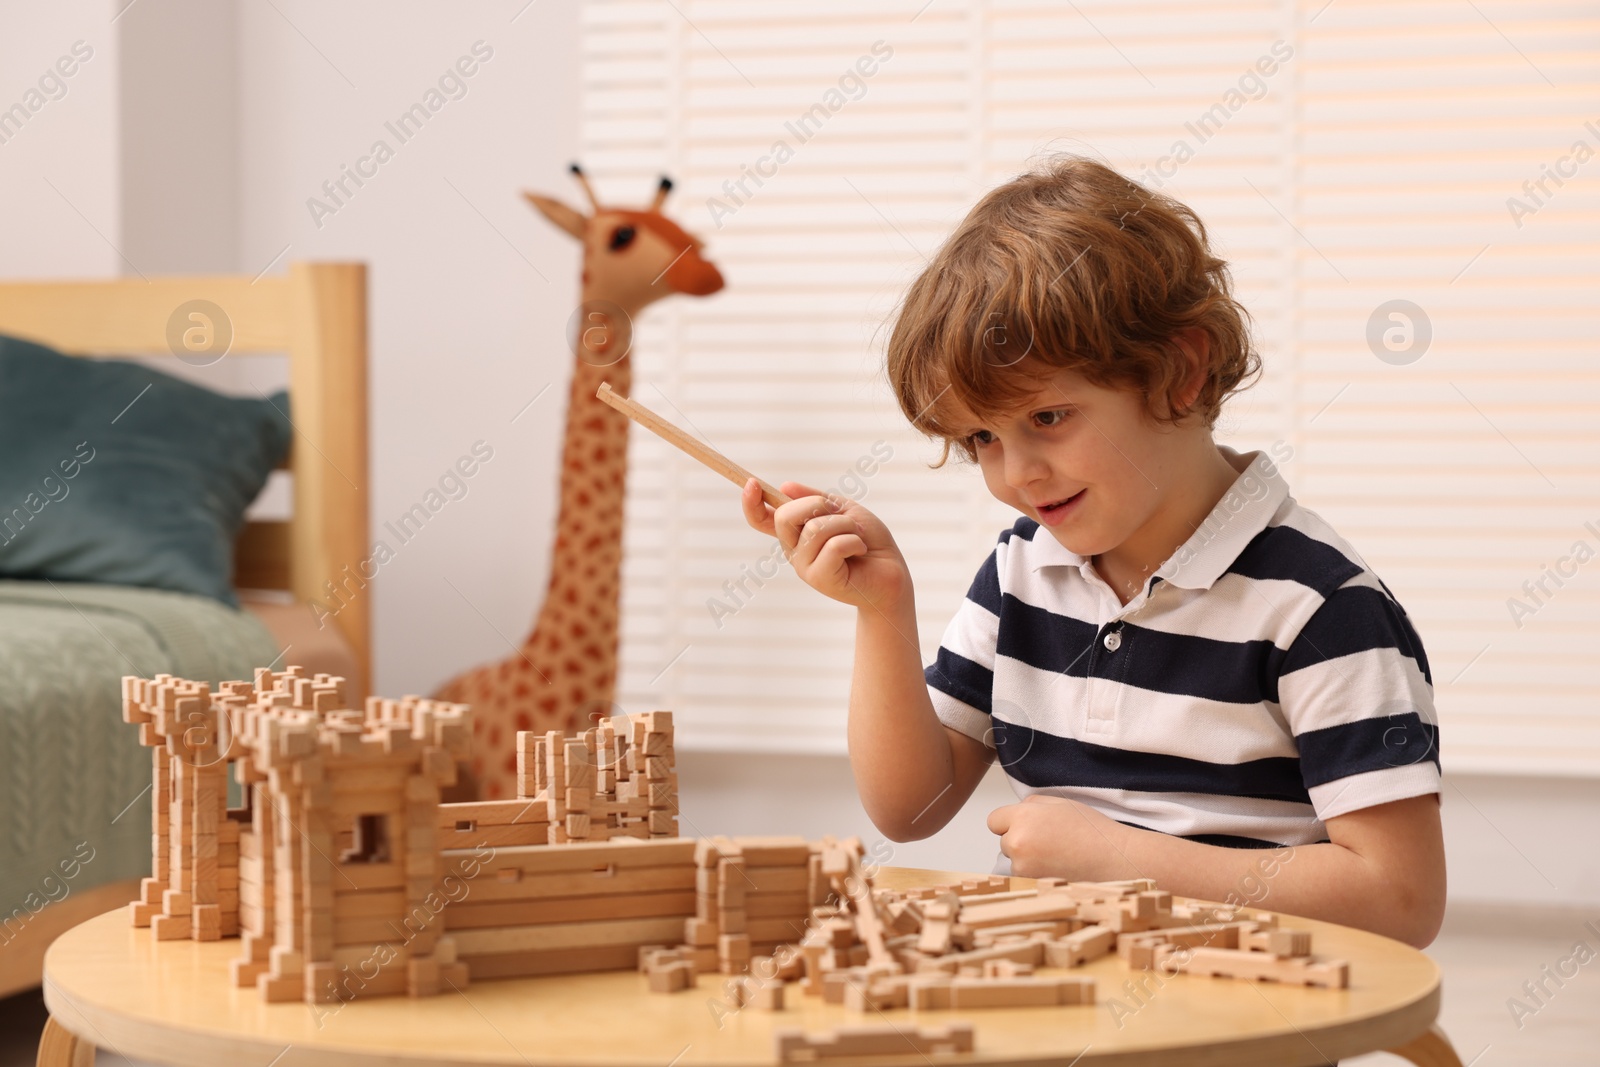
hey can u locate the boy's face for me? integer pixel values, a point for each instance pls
(1088, 462)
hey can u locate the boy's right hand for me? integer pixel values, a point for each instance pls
(836, 546)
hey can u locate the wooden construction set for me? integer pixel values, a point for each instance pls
(343, 874)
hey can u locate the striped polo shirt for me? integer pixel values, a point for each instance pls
(1263, 680)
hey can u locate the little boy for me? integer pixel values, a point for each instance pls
(1176, 664)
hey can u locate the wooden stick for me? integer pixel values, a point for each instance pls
(674, 436)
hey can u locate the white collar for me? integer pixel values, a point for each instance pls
(1244, 511)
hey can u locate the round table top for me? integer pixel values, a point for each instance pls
(172, 1002)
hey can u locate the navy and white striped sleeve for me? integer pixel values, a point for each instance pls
(1356, 691)
(961, 677)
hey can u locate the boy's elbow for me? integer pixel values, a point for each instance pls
(901, 827)
(1426, 920)
(1418, 915)
(900, 830)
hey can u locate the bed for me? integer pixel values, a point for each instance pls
(69, 764)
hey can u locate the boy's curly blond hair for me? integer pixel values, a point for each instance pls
(1068, 266)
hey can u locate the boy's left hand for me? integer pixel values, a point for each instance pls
(1053, 837)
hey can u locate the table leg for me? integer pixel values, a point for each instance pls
(60, 1047)
(1429, 1049)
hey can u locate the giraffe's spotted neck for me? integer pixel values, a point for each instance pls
(585, 574)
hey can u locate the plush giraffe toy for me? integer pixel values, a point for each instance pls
(564, 675)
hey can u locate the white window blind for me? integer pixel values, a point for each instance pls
(1344, 155)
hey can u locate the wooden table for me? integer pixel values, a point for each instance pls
(110, 985)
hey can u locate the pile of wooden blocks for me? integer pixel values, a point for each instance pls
(614, 780)
(948, 948)
(978, 944)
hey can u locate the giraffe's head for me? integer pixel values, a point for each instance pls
(632, 257)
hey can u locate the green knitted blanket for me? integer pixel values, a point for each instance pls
(74, 780)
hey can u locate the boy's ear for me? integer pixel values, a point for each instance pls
(1195, 346)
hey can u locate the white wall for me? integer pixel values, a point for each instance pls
(178, 138)
(58, 165)
(469, 291)
(232, 115)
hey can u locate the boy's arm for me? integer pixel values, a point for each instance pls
(1382, 869)
(913, 772)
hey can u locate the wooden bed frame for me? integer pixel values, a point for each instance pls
(317, 315)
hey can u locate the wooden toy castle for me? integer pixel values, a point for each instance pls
(343, 873)
(343, 868)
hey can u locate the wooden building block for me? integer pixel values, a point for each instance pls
(1044, 907)
(774, 851)
(935, 936)
(788, 880)
(1030, 952)
(526, 962)
(1080, 946)
(776, 929)
(244, 973)
(776, 905)
(530, 833)
(993, 934)
(471, 913)
(673, 977)
(277, 989)
(1200, 914)
(766, 996)
(1259, 966)
(595, 860)
(170, 927)
(423, 977)
(1026, 992)
(1139, 948)
(629, 933)
(207, 920)
(848, 1042)
(1006, 969)
(731, 883)
(901, 918)
(655, 955)
(1280, 942)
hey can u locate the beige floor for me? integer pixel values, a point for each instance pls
(1485, 961)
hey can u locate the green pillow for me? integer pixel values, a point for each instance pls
(116, 473)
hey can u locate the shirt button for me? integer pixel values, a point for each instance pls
(1113, 640)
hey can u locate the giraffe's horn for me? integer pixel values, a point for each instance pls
(583, 183)
(661, 193)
